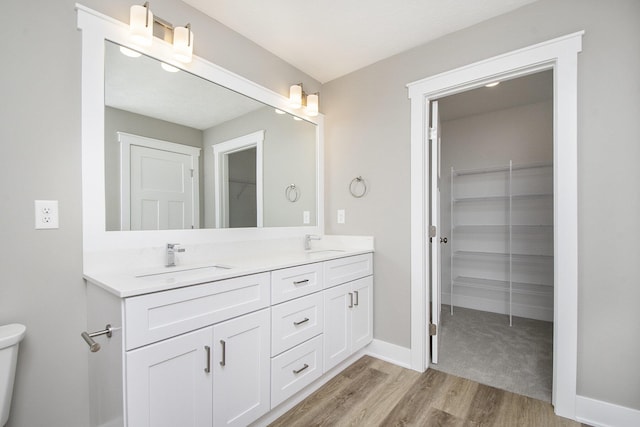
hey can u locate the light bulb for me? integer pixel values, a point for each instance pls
(183, 44)
(141, 25)
(295, 96)
(312, 105)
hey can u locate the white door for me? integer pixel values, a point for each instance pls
(435, 233)
(241, 369)
(168, 383)
(161, 190)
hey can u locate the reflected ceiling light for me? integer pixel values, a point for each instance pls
(129, 52)
(298, 98)
(169, 68)
(141, 28)
(297, 118)
(279, 111)
(494, 84)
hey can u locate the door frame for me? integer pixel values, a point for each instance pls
(126, 140)
(560, 55)
(220, 152)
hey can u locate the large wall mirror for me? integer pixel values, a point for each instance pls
(184, 152)
(170, 147)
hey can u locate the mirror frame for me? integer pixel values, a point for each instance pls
(96, 28)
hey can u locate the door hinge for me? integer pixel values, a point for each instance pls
(432, 329)
(432, 231)
(191, 173)
(433, 134)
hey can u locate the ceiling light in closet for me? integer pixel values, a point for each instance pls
(494, 84)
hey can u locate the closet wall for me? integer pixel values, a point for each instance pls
(523, 135)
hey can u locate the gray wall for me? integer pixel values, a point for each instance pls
(42, 283)
(368, 133)
(289, 157)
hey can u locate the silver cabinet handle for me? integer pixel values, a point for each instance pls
(223, 362)
(350, 299)
(207, 350)
(300, 282)
(357, 298)
(297, 371)
(305, 320)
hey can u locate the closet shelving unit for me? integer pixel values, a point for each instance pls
(502, 239)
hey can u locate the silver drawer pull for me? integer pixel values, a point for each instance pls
(300, 282)
(350, 299)
(305, 320)
(357, 299)
(297, 371)
(207, 350)
(223, 362)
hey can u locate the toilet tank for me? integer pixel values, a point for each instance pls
(10, 337)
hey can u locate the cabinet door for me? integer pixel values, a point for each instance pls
(168, 383)
(362, 313)
(241, 369)
(338, 302)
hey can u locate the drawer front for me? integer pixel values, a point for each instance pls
(295, 282)
(154, 317)
(296, 321)
(295, 369)
(346, 269)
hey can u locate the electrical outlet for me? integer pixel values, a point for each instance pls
(46, 214)
(341, 216)
(306, 217)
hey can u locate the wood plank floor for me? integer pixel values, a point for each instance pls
(375, 393)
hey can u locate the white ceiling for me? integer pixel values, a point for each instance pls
(330, 38)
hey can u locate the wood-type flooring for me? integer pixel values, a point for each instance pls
(375, 393)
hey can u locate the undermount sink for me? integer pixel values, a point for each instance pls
(324, 251)
(173, 273)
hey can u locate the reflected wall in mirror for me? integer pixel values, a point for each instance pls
(180, 119)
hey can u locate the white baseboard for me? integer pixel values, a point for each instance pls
(603, 414)
(391, 353)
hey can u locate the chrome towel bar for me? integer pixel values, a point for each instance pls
(88, 337)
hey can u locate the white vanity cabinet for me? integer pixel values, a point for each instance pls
(348, 308)
(225, 353)
(170, 383)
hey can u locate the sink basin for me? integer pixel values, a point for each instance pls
(325, 251)
(175, 274)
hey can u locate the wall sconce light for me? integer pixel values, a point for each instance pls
(298, 98)
(141, 28)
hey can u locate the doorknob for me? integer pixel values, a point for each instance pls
(443, 240)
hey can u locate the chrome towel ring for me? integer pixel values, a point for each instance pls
(292, 193)
(358, 187)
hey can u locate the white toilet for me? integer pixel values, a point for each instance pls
(10, 337)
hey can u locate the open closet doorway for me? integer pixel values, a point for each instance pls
(496, 234)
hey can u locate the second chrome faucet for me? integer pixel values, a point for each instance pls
(307, 240)
(172, 248)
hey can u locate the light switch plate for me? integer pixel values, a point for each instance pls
(46, 214)
(341, 216)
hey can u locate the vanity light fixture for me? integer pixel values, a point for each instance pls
(141, 28)
(298, 98)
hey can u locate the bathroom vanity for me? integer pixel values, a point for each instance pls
(229, 346)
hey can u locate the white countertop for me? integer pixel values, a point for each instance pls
(133, 281)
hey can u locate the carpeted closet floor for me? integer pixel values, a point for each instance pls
(482, 347)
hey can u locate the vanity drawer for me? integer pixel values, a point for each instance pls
(295, 282)
(154, 317)
(346, 269)
(296, 321)
(295, 369)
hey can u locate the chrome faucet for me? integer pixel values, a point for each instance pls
(171, 254)
(307, 240)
